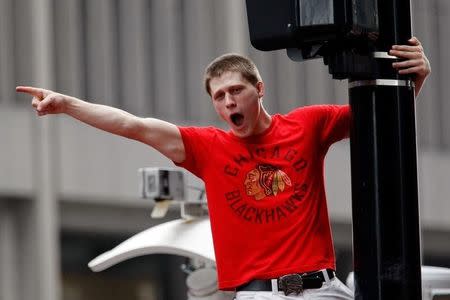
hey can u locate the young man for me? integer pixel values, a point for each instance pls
(264, 177)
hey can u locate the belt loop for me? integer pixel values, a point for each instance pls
(274, 286)
(325, 275)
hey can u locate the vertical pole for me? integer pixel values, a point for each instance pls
(44, 231)
(386, 236)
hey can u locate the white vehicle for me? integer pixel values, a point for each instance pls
(189, 236)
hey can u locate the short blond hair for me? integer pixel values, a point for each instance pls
(231, 62)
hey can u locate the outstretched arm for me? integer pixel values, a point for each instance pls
(415, 61)
(163, 136)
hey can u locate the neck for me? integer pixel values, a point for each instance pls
(264, 121)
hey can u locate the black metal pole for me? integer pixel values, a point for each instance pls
(386, 235)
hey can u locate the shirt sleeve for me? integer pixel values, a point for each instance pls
(330, 123)
(335, 124)
(197, 143)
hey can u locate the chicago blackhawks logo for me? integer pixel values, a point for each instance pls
(265, 180)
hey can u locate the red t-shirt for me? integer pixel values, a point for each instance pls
(266, 194)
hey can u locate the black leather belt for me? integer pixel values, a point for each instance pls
(291, 283)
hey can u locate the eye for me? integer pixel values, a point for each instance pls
(236, 90)
(219, 97)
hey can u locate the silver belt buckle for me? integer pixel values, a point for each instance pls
(291, 283)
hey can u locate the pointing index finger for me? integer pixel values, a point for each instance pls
(37, 92)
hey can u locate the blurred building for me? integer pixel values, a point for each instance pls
(69, 192)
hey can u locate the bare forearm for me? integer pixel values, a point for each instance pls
(418, 85)
(103, 117)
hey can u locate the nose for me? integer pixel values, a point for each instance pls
(229, 101)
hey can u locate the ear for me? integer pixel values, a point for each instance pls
(260, 88)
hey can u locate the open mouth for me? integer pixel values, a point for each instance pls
(237, 119)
